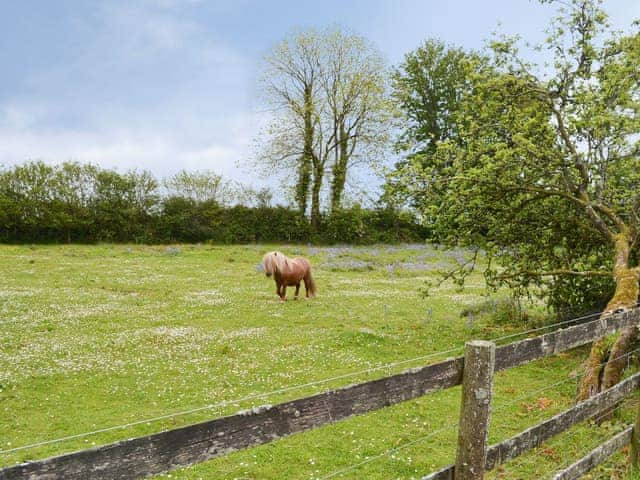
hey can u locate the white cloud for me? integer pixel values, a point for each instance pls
(149, 88)
(223, 146)
(138, 33)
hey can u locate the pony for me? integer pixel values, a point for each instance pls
(288, 272)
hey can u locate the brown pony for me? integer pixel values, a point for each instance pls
(288, 272)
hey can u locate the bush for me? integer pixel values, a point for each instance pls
(362, 226)
(576, 297)
(346, 226)
(504, 311)
(73, 202)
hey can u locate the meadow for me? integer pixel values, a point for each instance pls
(110, 337)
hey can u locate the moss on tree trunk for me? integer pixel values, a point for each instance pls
(605, 366)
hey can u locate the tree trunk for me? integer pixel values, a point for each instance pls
(339, 170)
(605, 366)
(302, 187)
(318, 172)
(306, 161)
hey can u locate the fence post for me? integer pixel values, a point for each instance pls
(635, 442)
(473, 431)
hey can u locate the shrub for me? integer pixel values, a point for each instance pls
(73, 202)
(504, 311)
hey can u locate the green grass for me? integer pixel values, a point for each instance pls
(98, 336)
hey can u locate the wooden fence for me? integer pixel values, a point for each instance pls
(161, 452)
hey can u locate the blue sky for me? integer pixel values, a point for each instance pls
(170, 84)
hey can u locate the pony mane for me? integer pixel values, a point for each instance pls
(274, 262)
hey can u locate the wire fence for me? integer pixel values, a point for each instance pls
(497, 409)
(452, 427)
(287, 389)
(565, 441)
(235, 401)
(531, 460)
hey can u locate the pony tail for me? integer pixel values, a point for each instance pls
(310, 283)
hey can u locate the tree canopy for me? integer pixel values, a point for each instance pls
(428, 88)
(330, 110)
(543, 172)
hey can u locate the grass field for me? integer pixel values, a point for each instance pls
(93, 337)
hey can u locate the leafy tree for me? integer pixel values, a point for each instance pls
(327, 90)
(28, 190)
(252, 197)
(199, 186)
(72, 192)
(355, 87)
(543, 172)
(428, 87)
(124, 204)
(292, 87)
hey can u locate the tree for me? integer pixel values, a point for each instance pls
(355, 86)
(291, 85)
(327, 92)
(199, 186)
(27, 191)
(544, 172)
(124, 204)
(253, 197)
(72, 191)
(428, 87)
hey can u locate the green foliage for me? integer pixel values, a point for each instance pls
(200, 186)
(83, 203)
(183, 219)
(348, 226)
(429, 88)
(504, 311)
(543, 170)
(123, 205)
(572, 297)
(360, 226)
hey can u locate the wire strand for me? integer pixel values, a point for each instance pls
(499, 408)
(595, 419)
(273, 392)
(546, 327)
(566, 380)
(452, 427)
(228, 402)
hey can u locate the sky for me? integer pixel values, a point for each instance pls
(164, 85)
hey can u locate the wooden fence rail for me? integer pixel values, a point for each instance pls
(160, 452)
(596, 456)
(534, 436)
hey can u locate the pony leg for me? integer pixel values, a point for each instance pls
(283, 292)
(297, 291)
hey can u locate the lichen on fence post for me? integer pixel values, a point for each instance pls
(477, 389)
(635, 442)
